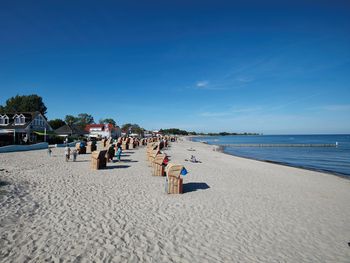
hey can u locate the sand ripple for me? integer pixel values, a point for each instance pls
(252, 211)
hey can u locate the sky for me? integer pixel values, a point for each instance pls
(272, 67)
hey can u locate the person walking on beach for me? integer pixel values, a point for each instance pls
(75, 154)
(119, 152)
(49, 151)
(67, 153)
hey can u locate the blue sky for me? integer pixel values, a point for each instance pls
(255, 66)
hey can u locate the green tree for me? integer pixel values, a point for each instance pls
(108, 120)
(56, 123)
(126, 127)
(132, 128)
(25, 103)
(84, 119)
(137, 129)
(173, 131)
(70, 119)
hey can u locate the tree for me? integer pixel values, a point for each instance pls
(108, 120)
(132, 128)
(137, 129)
(70, 119)
(174, 131)
(25, 103)
(56, 123)
(84, 119)
(126, 127)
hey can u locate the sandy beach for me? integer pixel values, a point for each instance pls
(233, 210)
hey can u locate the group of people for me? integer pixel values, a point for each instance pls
(68, 152)
(115, 151)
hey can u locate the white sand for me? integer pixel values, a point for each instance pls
(251, 212)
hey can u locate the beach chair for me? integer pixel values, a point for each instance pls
(90, 147)
(108, 143)
(131, 144)
(152, 156)
(125, 145)
(174, 182)
(159, 164)
(150, 147)
(104, 141)
(98, 159)
(80, 148)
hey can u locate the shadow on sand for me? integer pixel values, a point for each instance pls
(191, 187)
(117, 166)
(128, 160)
(3, 183)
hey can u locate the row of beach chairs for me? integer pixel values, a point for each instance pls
(100, 158)
(161, 167)
(157, 159)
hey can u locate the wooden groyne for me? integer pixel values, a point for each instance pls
(279, 145)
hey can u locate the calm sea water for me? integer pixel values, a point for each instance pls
(329, 159)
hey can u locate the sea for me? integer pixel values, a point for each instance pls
(334, 159)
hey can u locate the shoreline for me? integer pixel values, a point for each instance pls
(222, 150)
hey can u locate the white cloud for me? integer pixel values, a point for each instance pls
(202, 84)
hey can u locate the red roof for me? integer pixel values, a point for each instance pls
(87, 128)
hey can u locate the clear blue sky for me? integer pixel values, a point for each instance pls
(255, 66)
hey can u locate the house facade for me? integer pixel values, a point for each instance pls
(23, 128)
(103, 131)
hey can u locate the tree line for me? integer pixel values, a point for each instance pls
(31, 103)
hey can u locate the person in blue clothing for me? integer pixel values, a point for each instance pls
(119, 152)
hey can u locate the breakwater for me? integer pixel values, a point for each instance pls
(279, 145)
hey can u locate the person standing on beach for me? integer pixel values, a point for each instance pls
(49, 151)
(75, 154)
(119, 152)
(67, 153)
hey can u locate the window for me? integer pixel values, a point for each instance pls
(19, 119)
(4, 120)
(38, 121)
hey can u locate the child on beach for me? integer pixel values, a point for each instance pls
(67, 153)
(119, 152)
(49, 152)
(75, 154)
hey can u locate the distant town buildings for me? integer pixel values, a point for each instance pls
(103, 130)
(71, 130)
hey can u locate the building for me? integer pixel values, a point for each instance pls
(71, 130)
(103, 130)
(23, 128)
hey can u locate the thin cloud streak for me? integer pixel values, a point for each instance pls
(336, 107)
